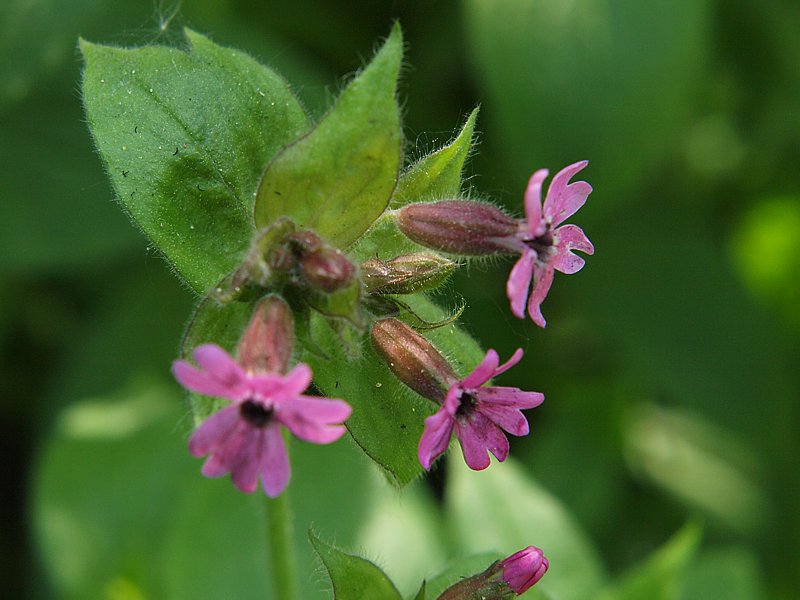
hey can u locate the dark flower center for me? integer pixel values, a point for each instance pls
(255, 414)
(542, 244)
(467, 405)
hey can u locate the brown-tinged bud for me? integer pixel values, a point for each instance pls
(266, 344)
(459, 227)
(405, 274)
(413, 359)
(327, 269)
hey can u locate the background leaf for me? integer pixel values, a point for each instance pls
(659, 577)
(504, 510)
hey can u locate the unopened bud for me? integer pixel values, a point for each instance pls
(413, 359)
(503, 580)
(524, 568)
(327, 269)
(405, 274)
(266, 344)
(459, 227)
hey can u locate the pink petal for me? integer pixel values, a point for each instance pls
(564, 200)
(510, 419)
(452, 401)
(202, 382)
(279, 388)
(226, 457)
(482, 373)
(220, 365)
(519, 282)
(515, 358)
(214, 431)
(316, 420)
(533, 202)
(214, 467)
(435, 438)
(477, 434)
(570, 237)
(509, 397)
(244, 473)
(298, 379)
(275, 471)
(543, 280)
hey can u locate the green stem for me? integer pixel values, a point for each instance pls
(281, 547)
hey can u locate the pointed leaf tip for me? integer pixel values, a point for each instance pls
(338, 179)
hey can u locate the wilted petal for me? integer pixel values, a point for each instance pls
(533, 202)
(275, 471)
(435, 438)
(519, 282)
(541, 285)
(214, 431)
(564, 199)
(317, 420)
(483, 372)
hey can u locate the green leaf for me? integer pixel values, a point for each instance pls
(185, 136)
(338, 179)
(353, 577)
(437, 175)
(732, 573)
(660, 576)
(504, 510)
(420, 595)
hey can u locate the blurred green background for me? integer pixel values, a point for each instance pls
(670, 364)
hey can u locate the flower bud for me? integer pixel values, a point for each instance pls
(322, 266)
(266, 344)
(327, 269)
(524, 568)
(413, 359)
(503, 580)
(405, 274)
(460, 227)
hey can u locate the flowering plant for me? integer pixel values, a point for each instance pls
(301, 241)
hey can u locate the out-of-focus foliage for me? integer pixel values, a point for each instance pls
(677, 344)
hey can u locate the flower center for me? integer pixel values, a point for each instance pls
(467, 405)
(255, 414)
(542, 244)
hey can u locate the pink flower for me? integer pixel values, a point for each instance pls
(477, 415)
(544, 245)
(245, 438)
(523, 569)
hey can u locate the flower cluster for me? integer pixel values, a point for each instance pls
(265, 391)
